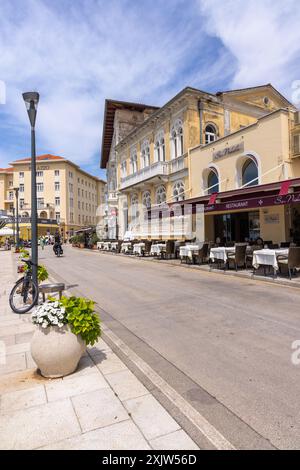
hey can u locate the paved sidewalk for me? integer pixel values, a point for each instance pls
(101, 406)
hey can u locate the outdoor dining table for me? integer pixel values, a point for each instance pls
(220, 253)
(268, 257)
(125, 247)
(114, 245)
(106, 246)
(138, 248)
(187, 251)
(157, 248)
(100, 245)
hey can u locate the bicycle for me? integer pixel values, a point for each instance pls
(24, 294)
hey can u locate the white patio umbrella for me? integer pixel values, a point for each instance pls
(6, 232)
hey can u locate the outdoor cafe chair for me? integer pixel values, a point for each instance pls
(249, 253)
(147, 249)
(203, 255)
(238, 258)
(285, 244)
(169, 252)
(291, 261)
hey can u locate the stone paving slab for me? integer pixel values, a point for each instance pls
(20, 399)
(151, 417)
(126, 385)
(98, 409)
(58, 389)
(178, 440)
(119, 436)
(37, 426)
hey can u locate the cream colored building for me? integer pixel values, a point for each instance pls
(67, 196)
(249, 180)
(155, 163)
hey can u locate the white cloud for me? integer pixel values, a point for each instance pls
(262, 35)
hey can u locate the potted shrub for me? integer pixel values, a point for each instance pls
(64, 328)
(81, 240)
(94, 241)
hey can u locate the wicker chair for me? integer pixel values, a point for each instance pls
(249, 254)
(291, 261)
(203, 255)
(238, 257)
(147, 249)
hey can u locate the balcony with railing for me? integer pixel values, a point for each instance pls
(151, 172)
(178, 164)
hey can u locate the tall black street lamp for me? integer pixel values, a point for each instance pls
(31, 101)
(16, 190)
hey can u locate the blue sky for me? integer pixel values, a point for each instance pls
(77, 53)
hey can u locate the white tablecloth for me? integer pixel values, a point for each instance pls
(114, 245)
(100, 245)
(138, 248)
(220, 252)
(157, 248)
(106, 246)
(187, 251)
(268, 257)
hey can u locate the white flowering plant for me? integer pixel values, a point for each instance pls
(50, 313)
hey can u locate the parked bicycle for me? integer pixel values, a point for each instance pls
(25, 292)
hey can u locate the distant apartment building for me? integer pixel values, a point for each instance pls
(67, 196)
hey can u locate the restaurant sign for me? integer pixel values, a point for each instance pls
(227, 151)
(254, 203)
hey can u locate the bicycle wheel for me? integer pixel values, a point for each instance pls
(23, 295)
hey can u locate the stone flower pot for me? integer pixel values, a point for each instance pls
(56, 351)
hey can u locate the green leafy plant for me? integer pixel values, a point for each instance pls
(24, 253)
(94, 239)
(82, 319)
(80, 238)
(42, 273)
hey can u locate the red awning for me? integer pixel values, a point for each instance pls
(284, 188)
(212, 198)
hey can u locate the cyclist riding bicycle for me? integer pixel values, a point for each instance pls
(57, 243)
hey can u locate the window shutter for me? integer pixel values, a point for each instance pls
(297, 118)
(296, 144)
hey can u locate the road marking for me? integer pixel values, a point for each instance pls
(201, 423)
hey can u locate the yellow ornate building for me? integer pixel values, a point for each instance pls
(67, 196)
(198, 144)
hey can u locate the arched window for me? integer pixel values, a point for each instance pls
(161, 195)
(178, 191)
(210, 134)
(124, 169)
(43, 215)
(212, 182)
(177, 139)
(159, 147)
(145, 154)
(134, 206)
(147, 200)
(133, 161)
(249, 173)
(25, 214)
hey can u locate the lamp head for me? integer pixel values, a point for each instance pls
(31, 99)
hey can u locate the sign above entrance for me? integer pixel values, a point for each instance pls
(277, 200)
(227, 151)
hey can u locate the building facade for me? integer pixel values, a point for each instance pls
(67, 196)
(120, 118)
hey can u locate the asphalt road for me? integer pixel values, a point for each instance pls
(221, 341)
